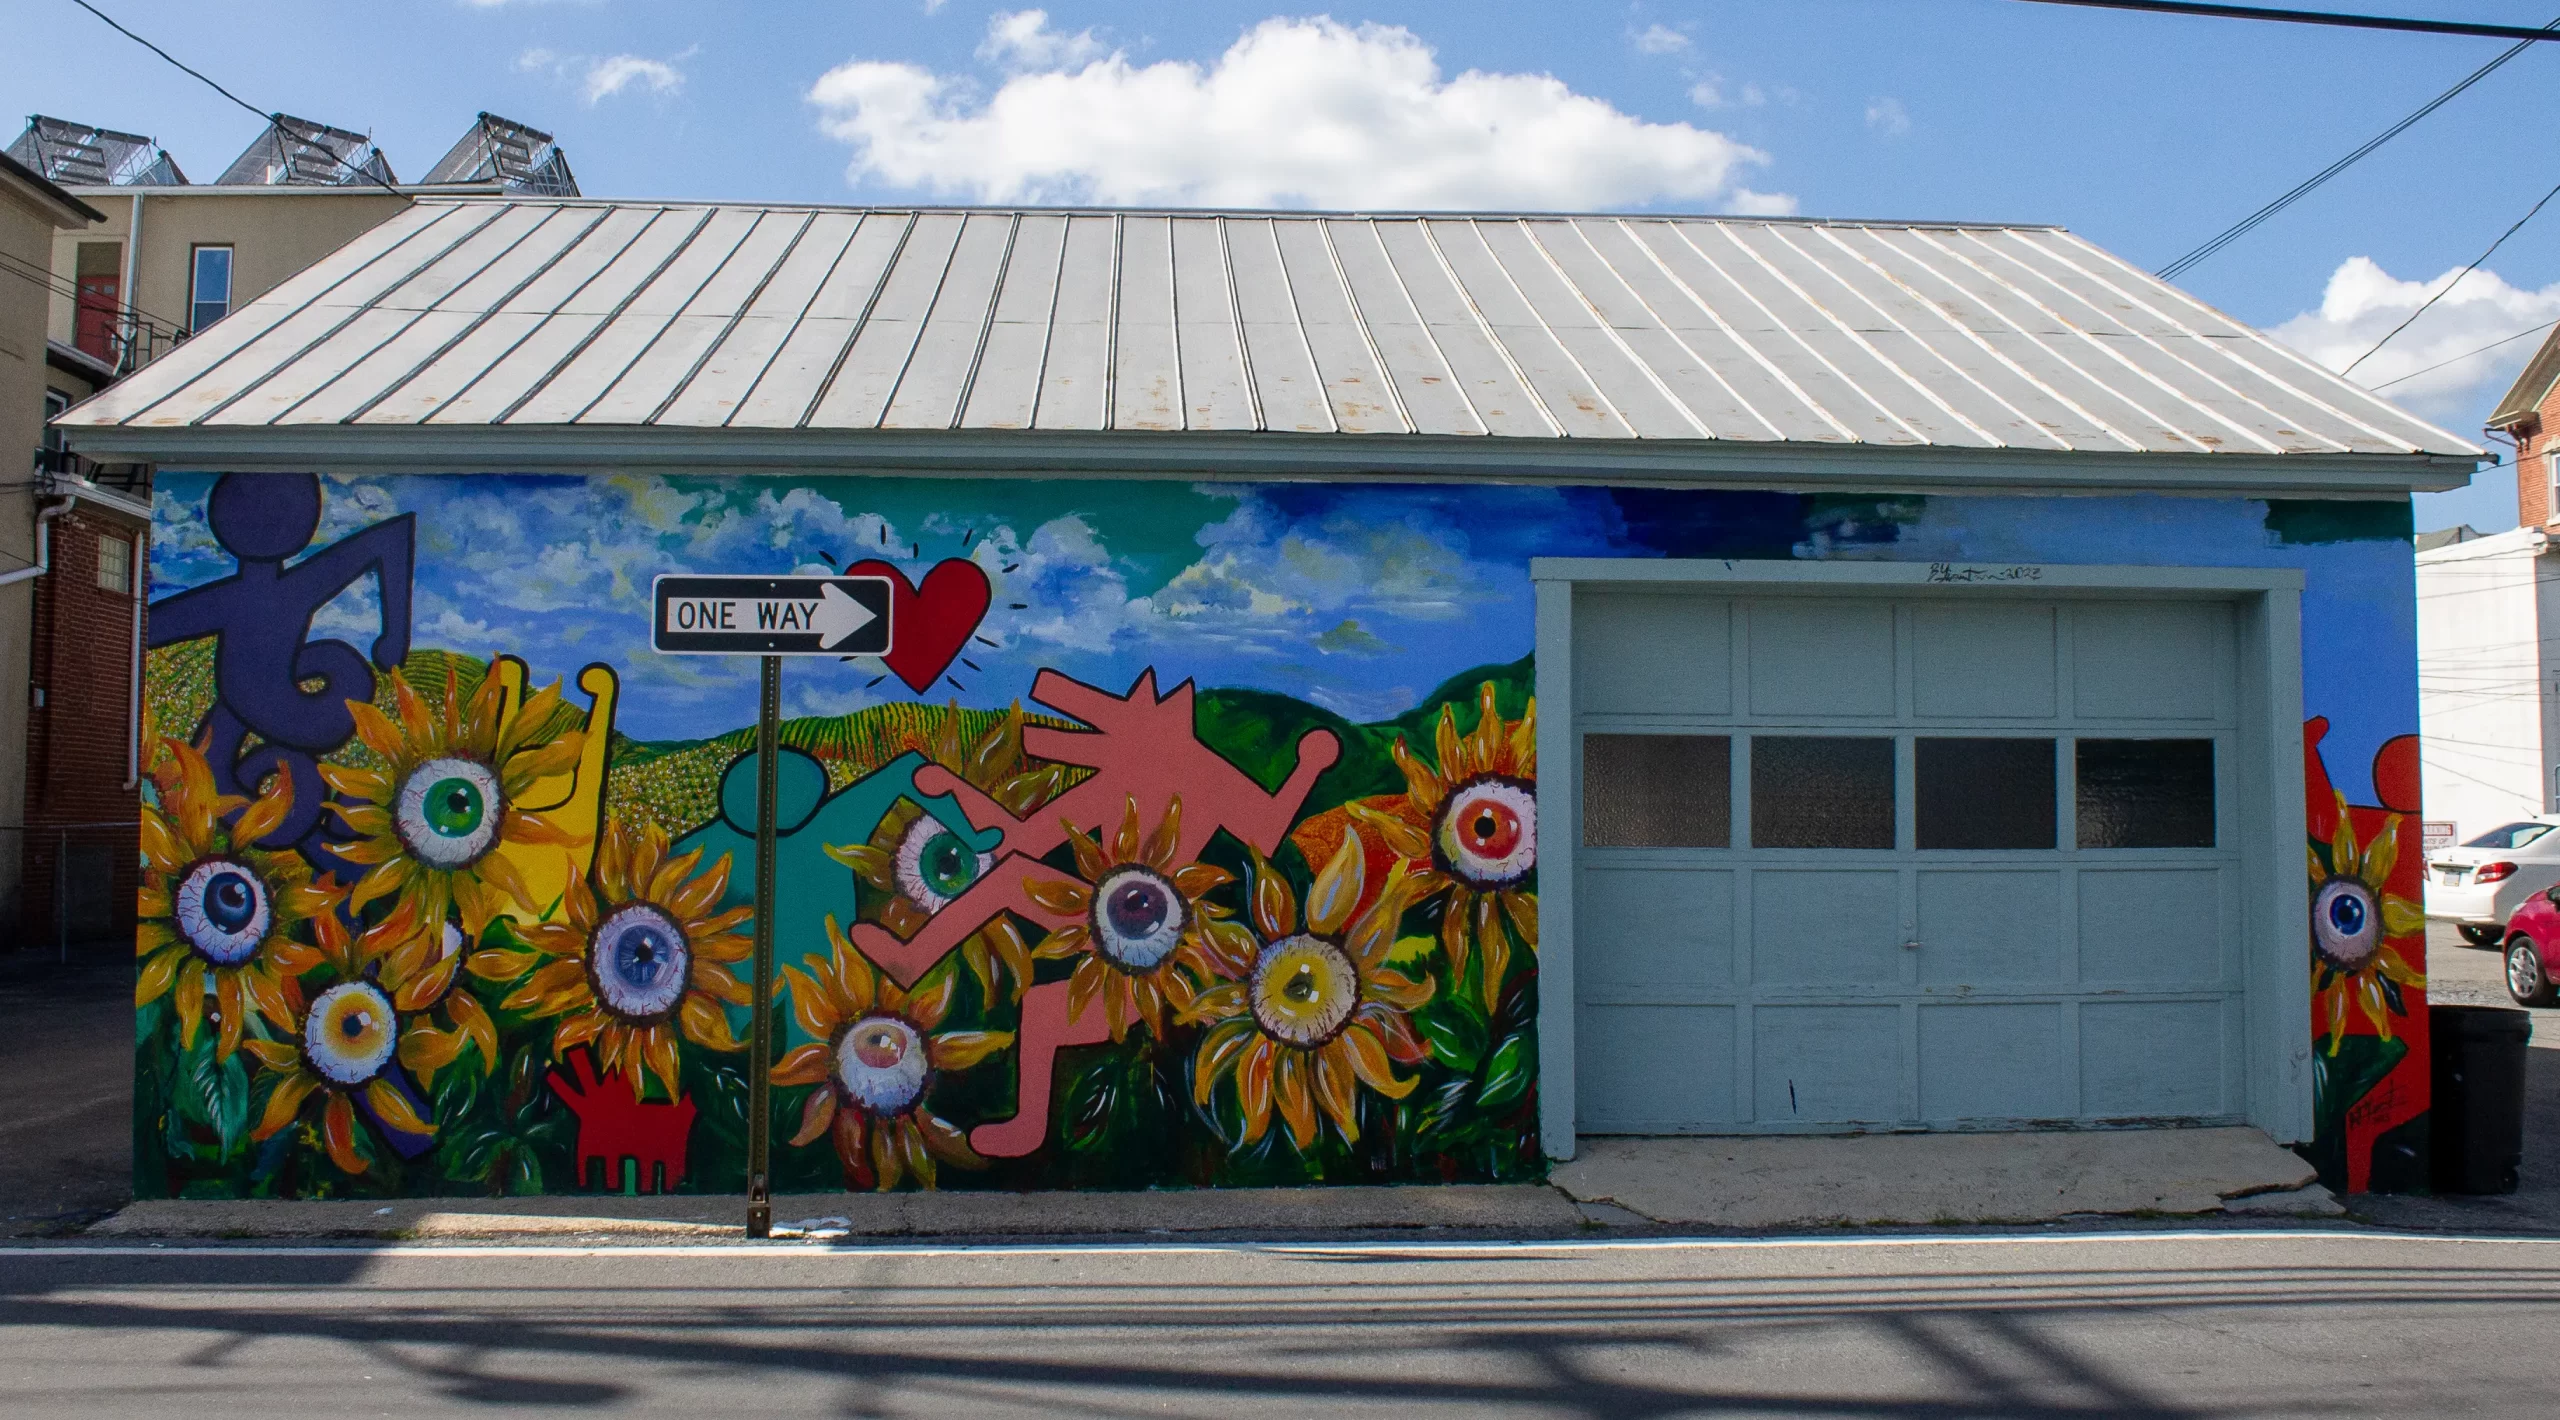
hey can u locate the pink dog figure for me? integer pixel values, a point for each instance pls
(1142, 747)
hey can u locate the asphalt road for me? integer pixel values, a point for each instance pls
(2123, 1324)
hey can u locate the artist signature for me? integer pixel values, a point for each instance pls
(1953, 572)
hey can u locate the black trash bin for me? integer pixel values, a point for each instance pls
(2478, 1097)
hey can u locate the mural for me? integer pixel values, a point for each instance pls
(1187, 838)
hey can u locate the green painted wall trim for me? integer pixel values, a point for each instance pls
(2305, 522)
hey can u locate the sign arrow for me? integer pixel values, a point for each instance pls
(839, 616)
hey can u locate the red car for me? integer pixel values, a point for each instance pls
(2533, 950)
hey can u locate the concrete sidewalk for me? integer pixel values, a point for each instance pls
(1685, 1185)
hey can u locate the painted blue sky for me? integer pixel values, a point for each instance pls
(1361, 598)
(2146, 133)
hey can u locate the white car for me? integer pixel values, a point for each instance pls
(2479, 885)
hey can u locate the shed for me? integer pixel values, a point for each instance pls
(1921, 652)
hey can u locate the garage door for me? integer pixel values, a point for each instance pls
(1857, 861)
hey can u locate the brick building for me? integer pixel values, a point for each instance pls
(81, 797)
(2530, 415)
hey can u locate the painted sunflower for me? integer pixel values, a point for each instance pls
(1319, 1012)
(1467, 826)
(916, 866)
(217, 914)
(641, 959)
(875, 1061)
(1146, 928)
(450, 1016)
(430, 823)
(2360, 929)
(343, 1046)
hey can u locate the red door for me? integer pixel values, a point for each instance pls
(94, 326)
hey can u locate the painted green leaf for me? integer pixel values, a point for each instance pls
(1514, 1065)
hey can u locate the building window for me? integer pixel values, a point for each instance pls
(56, 405)
(115, 564)
(211, 286)
(2551, 484)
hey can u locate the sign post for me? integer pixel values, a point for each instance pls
(768, 617)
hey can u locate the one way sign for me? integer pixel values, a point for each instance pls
(771, 616)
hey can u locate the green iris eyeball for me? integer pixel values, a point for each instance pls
(454, 807)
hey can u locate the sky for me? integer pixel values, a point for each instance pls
(2147, 134)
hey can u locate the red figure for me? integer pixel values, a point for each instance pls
(1142, 747)
(614, 1125)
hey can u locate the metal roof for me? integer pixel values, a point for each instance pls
(560, 315)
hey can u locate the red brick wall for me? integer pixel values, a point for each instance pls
(81, 659)
(2533, 469)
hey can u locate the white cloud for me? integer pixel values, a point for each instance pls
(1659, 39)
(1709, 93)
(2363, 302)
(1022, 39)
(1296, 112)
(1888, 117)
(614, 73)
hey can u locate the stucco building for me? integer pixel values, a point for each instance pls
(1367, 698)
(2489, 634)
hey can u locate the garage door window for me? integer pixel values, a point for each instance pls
(2146, 793)
(1821, 791)
(1657, 791)
(1985, 793)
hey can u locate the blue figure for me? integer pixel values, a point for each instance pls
(263, 651)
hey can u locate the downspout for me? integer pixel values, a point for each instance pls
(133, 686)
(44, 543)
(132, 269)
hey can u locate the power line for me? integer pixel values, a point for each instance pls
(2465, 355)
(2429, 303)
(2250, 223)
(201, 77)
(2315, 17)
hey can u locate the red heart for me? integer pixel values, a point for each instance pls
(929, 624)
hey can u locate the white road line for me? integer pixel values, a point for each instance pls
(1301, 1251)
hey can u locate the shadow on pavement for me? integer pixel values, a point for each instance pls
(66, 1089)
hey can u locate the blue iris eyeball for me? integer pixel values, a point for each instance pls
(2345, 922)
(222, 910)
(639, 959)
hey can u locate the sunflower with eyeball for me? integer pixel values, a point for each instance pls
(219, 916)
(430, 825)
(877, 1054)
(341, 1049)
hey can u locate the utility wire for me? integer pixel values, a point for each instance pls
(2483, 350)
(272, 119)
(2315, 17)
(2429, 303)
(2250, 223)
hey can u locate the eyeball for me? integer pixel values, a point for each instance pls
(1303, 990)
(223, 910)
(1488, 832)
(2346, 923)
(935, 866)
(638, 962)
(447, 812)
(350, 1034)
(881, 1063)
(1138, 917)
